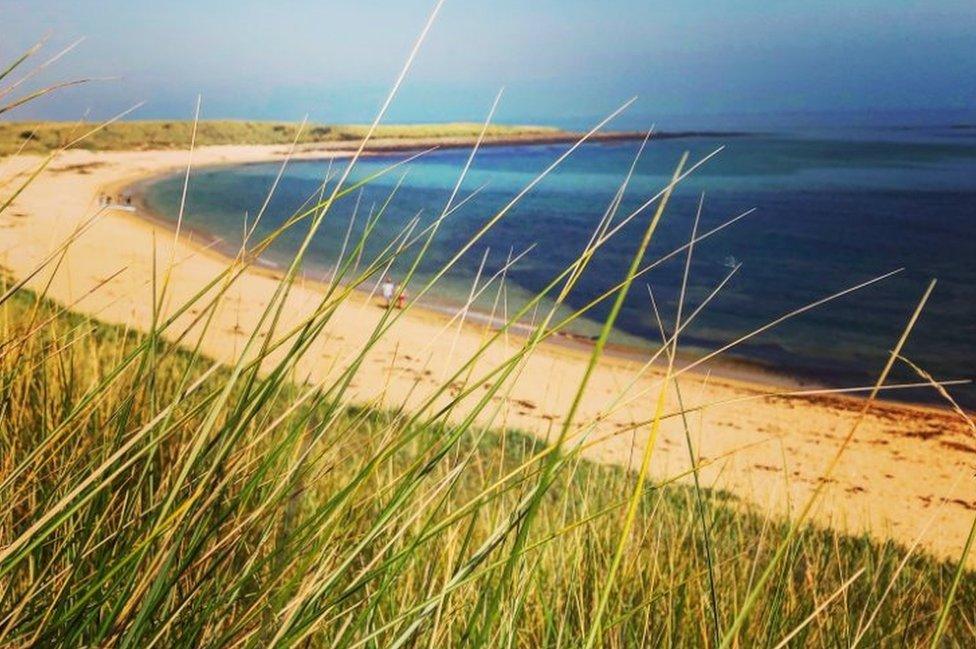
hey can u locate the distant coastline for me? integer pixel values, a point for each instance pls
(382, 145)
(43, 137)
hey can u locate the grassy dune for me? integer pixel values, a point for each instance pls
(290, 517)
(35, 137)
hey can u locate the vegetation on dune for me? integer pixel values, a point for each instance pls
(150, 497)
(294, 518)
(34, 137)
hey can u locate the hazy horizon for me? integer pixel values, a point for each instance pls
(699, 64)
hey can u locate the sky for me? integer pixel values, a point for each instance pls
(563, 62)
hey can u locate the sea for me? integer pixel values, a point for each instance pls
(826, 209)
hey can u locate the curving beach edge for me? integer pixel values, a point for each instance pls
(766, 449)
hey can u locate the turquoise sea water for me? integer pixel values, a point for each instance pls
(832, 208)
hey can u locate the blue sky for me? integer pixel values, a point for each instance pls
(561, 61)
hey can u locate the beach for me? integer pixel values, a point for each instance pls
(906, 476)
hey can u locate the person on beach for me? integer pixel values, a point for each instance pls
(401, 300)
(387, 287)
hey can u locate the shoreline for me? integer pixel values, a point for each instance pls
(766, 449)
(751, 372)
(736, 368)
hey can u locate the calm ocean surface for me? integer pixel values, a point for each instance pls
(833, 208)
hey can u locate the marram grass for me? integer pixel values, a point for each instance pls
(297, 510)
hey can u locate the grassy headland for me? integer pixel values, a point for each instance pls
(41, 137)
(38, 137)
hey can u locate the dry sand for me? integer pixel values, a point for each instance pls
(909, 469)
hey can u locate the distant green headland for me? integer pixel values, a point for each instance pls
(40, 137)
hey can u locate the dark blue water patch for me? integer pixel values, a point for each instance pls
(829, 214)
